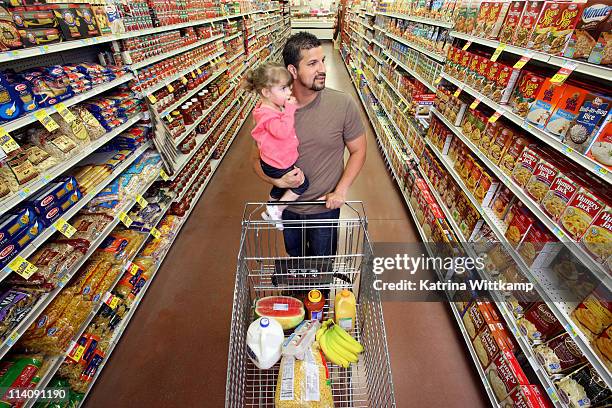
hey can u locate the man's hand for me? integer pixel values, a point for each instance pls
(292, 100)
(335, 199)
(292, 179)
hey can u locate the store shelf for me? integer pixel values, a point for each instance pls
(161, 57)
(401, 97)
(416, 47)
(417, 19)
(164, 81)
(30, 118)
(48, 298)
(233, 58)
(231, 37)
(194, 91)
(49, 175)
(597, 71)
(369, 40)
(411, 71)
(550, 140)
(48, 232)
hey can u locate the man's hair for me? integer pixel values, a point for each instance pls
(295, 44)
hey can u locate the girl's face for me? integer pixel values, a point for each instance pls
(278, 94)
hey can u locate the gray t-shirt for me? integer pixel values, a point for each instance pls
(323, 126)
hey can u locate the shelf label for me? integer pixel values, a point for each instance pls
(495, 116)
(43, 117)
(558, 232)
(152, 98)
(163, 175)
(437, 80)
(467, 45)
(169, 87)
(141, 201)
(22, 267)
(155, 232)
(498, 52)
(169, 118)
(78, 353)
(11, 340)
(7, 143)
(565, 71)
(457, 92)
(125, 219)
(199, 71)
(601, 170)
(64, 227)
(133, 269)
(193, 75)
(65, 113)
(184, 80)
(524, 60)
(111, 300)
(475, 103)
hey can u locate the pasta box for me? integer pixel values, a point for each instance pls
(53, 194)
(13, 223)
(70, 22)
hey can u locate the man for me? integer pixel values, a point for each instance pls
(326, 122)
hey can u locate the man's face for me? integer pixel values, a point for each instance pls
(311, 69)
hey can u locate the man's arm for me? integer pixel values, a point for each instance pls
(357, 150)
(292, 179)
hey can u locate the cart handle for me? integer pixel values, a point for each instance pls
(349, 204)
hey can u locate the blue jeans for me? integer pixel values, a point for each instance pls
(311, 239)
(275, 173)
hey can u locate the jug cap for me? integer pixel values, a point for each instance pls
(314, 296)
(264, 322)
(345, 293)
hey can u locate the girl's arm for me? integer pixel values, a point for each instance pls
(280, 127)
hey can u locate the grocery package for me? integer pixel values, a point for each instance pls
(300, 341)
(584, 387)
(264, 340)
(559, 354)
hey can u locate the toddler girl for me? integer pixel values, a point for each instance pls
(274, 131)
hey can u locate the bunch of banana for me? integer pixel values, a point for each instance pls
(337, 345)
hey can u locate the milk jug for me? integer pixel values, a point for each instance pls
(264, 340)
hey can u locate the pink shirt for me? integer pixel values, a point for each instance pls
(275, 135)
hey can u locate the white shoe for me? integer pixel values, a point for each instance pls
(273, 213)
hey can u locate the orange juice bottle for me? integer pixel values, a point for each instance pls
(345, 309)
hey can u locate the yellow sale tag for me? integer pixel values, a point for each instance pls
(457, 92)
(44, 118)
(22, 267)
(563, 74)
(524, 60)
(114, 302)
(475, 103)
(199, 71)
(64, 227)
(133, 269)
(155, 232)
(141, 201)
(495, 116)
(498, 52)
(169, 118)
(125, 219)
(438, 79)
(170, 88)
(64, 112)
(193, 75)
(152, 98)
(184, 80)
(163, 175)
(7, 142)
(78, 354)
(467, 45)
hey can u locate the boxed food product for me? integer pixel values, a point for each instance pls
(590, 116)
(542, 178)
(473, 177)
(604, 346)
(602, 52)
(580, 212)
(526, 396)
(584, 387)
(9, 36)
(518, 226)
(525, 166)
(525, 92)
(598, 237)
(541, 35)
(528, 21)
(86, 16)
(594, 21)
(492, 340)
(539, 323)
(501, 202)
(505, 374)
(511, 156)
(561, 192)
(538, 247)
(512, 20)
(39, 36)
(594, 314)
(559, 354)
(545, 103)
(564, 27)
(601, 148)
(485, 191)
(477, 316)
(566, 110)
(501, 139)
(15, 222)
(505, 83)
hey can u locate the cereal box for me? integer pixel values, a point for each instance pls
(546, 101)
(564, 27)
(602, 52)
(595, 19)
(514, 150)
(525, 166)
(525, 92)
(566, 110)
(601, 148)
(561, 192)
(511, 22)
(505, 374)
(543, 29)
(530, 16)
(499, 143)
(540, 181)
(598, 237)
(591, 114)
(580, 213)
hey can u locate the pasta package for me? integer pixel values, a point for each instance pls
(580, 213)
(598, 237)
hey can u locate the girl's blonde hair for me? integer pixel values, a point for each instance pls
(265, 76)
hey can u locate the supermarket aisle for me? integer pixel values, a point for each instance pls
(174, 352)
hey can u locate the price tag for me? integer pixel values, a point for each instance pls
(22, 267)
(495, 116)
(437, 80)
(7, 142)
(524, 60)
(467, 45)
(498, 52)
(199, 71)
(163, 175)
(601, 170)
(125, 219)
(11, 340)
(568, 149)
(43, 117)
(193, 75)
(155, 232)
(169, 118)
(141, 201)
(64, 227)
(475, 103)
(152, 98)
(563, 73)
(78, 353)
(114, 302)
(65, 113)
(133, 269)
(170, 87)
(184, 80)
(457, 92)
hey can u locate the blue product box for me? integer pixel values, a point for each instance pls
(13, 223)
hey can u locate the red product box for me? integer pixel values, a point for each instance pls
(539, 323)
(540, 181)
(512, 20)
(525, 92)
(479, 315)
(492, 340)
(530, 15)
(525, 166)
(527, 396)
(564, 27)
(561, 191)
(505, 374)
(580, 213)
(597, 239)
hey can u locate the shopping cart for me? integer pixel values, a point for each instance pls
(265, 269)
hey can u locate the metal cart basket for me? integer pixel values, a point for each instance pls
(265, 269)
